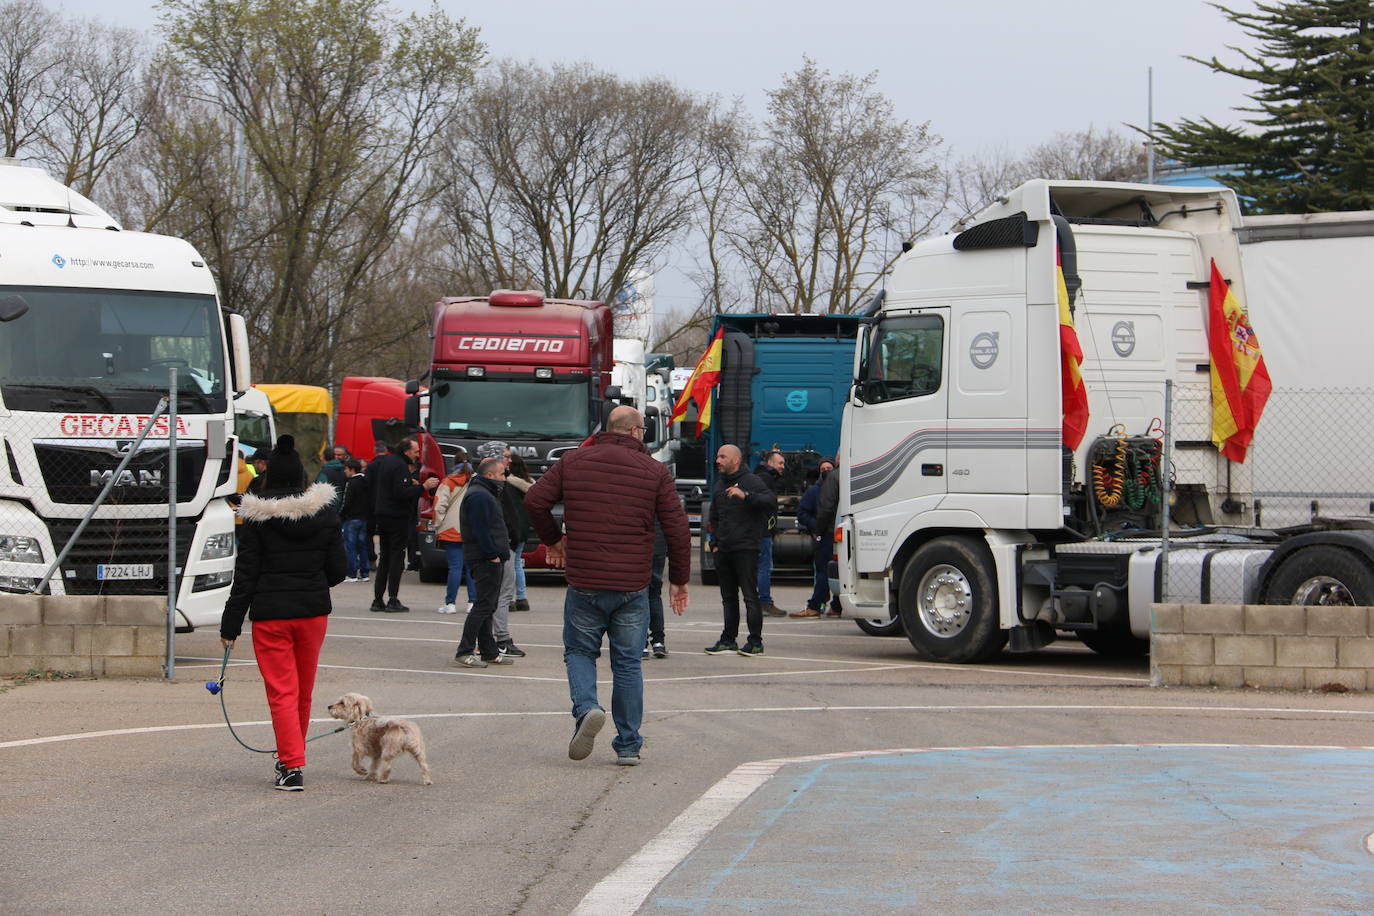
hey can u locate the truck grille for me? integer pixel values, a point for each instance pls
(75, 474)
(121, 540)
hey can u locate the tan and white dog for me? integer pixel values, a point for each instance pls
(379, 738)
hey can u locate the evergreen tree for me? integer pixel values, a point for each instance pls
(1308, 142)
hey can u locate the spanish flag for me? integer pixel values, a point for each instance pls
(1240, 381)
(704, 378)
(1074, 392)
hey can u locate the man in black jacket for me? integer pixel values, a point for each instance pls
(741, 506)
(770, 472)
(486, 551)
(395, 493)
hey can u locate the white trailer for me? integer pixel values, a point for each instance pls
(965, 523)
(93, 317)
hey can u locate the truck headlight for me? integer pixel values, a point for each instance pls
(18, 549)
(213, 580)
(218, 546)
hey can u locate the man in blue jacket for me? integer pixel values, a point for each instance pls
(822, 541)
(486, 551)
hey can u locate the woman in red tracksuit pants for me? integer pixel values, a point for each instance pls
(290, 554)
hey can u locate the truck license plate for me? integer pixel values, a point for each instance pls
(124, 571)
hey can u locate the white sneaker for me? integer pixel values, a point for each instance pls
(448, 609)
(467, 608)
(348, 579)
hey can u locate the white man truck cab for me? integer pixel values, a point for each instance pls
(92, 318)
(965, 521)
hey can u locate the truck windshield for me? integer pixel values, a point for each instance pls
(500, 409)
(110, 351)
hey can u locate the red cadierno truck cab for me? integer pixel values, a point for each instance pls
(517, 367)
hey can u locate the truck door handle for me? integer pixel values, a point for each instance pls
(932, 470)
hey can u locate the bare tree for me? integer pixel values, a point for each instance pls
(29, 55)
(99, 102)
(568, 179)
(1086, 155)
(831, 187)
(315, 120)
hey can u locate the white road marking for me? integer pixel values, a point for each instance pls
(767, 710)
(624, 890)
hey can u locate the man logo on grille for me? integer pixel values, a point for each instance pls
(127, 478)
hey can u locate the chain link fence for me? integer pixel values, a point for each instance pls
(87, 503)
(1312, 459)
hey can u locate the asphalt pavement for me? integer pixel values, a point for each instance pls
(837, 772)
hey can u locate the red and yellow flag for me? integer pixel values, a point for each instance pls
(1240, 381)
(1074, 392)
(704, 378)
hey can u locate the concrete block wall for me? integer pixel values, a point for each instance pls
(114, 636)
(1232, 645)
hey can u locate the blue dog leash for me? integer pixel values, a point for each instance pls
(217, 687)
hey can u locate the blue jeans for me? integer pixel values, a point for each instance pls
(765, 570)
(456, 573)
(355, 546)
(520, 594)
(820, 566)
(589, 615)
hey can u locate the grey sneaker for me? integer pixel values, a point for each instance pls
(627, 760)
(469, 661)
(501, 659)
(584, 736)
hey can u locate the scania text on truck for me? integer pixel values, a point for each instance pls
(964, 520)
(93, 319)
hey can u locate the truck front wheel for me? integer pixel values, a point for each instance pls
(1322, 575)
(947, 602)
(892, 626)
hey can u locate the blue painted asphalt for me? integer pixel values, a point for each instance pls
(1129, 829)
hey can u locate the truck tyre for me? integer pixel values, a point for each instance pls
(947, 602)
(892, 626)
(1322, 575)
(1114, 643)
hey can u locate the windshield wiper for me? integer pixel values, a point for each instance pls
(193, 392)
(75, 389)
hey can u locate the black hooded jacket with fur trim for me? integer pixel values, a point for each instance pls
(290, 554)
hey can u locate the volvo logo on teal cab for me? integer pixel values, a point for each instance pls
(798, 399)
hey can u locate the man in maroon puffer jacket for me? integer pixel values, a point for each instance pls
(611, 492)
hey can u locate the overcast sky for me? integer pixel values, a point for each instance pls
(985, 74)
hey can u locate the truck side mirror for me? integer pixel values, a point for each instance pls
(12, 307)
(238, 343)
(856, 395)
(412, 416)
(413, 386)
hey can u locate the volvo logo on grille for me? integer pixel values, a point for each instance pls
(127, 478)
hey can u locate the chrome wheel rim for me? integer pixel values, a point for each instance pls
(944, 601)
(1323, 590)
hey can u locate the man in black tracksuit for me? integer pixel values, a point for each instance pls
(395, 493)
(741, 506)
(486, 551)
